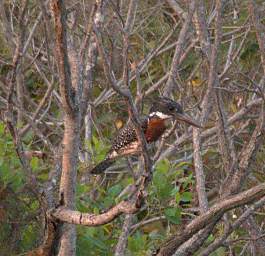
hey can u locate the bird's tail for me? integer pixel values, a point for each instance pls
(102, 166)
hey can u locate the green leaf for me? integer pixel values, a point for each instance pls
(34, 163)
(112, 194)
(162, 185)
(115, 190)
(210, 238)
(173, 215)
(96, 242)
(174, 191)
(81, 188)
(177, 197)
(96, 143)
(17, 182)
(186, 196)
(2, 128)
(163, 166)
(249, 51)
(137, 242)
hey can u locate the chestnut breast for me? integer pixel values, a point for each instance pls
(155, 128)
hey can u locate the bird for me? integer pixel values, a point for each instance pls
(153, 126)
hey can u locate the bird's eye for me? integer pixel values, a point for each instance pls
(171, 108)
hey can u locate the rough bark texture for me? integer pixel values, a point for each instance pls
(69, 92)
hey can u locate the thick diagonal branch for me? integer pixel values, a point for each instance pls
(212, 216)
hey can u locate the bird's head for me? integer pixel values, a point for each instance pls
(165, 108)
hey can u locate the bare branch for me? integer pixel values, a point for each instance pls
(86, 219)
(259, 30)
(235, 179)
(122, 243)
(206, 134)
(66, 88)
(178, 51)
(177, 8)
(212, 215)
(218, 242)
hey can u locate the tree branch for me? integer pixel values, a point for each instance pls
(212, 215)
(178, 51)
(86, 219)
(66, 88)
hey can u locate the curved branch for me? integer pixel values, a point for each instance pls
(87, 219)
(212, 215)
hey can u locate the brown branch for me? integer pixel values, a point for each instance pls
(10, 120)
(211, 216)
(39, 108)
(96, 19)
(218, 242)
(255, 234)
(201, 30)
(122, 242)
(226, 145)
(260, 28)
(195, 242)
(178, 51)
(106, 94)
(211, 53)
(86, 219)
(88, 33)
(201, 27)
(177, 8)
(235, 179)
(186, 138)
(70, 89)
(66, 89)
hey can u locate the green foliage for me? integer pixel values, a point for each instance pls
(173, 215)
(10, 172)
(111, 195)
(94, 240)
(98, 148)
(34, 163)
(170, 191)
(162, 185)
(219, 252)
(250, 50)
(250, 53)
(138, 243)
(19, 227)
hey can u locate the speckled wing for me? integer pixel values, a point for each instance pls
(126, 141)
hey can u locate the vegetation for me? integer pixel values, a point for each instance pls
(73, 72)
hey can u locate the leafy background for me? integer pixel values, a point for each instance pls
(171, 193)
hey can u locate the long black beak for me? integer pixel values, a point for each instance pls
(186, 118)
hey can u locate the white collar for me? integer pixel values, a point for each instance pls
(160, 115)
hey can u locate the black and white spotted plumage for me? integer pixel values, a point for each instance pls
(125, 137)
(125, 143)
(153, 127)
